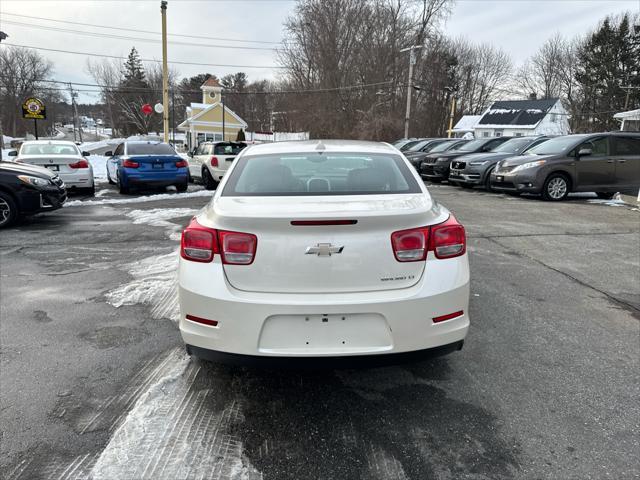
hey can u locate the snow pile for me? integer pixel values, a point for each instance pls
(99, 164)
(142, 199)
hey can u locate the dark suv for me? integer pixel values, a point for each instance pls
(604, 163)
(476, 168)
(435, 167)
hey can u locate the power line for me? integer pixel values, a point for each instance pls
(142, 89)
(143, 59)
(128, 38)
(140, 31)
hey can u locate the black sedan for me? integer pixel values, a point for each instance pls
(435, 167)
(26, 190)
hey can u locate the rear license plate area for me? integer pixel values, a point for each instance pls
(55, 168)
(158, 165)
(325, 334)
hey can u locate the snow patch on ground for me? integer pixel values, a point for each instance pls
(154, 284)
(159, 217)
(102, 193)
(614, 202)
(177, 430)
(144, 198)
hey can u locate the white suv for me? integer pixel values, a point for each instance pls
(323, 249)
(211, 160)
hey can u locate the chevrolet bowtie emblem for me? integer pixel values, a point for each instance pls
(323, 250)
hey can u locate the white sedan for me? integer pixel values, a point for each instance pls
(323, 250)
(63, 158)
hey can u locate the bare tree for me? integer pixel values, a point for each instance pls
(544, 73)
(106, 73)
(23, 71)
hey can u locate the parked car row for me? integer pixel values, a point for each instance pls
(553, 167)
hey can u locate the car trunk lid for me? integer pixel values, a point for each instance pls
(320, 258)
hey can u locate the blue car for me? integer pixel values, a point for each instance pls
(145, 164)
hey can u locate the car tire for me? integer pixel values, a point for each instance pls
(487, 181)
(90, 191)
(182, 187)
(121, 188)
(605, 195)
(556, 187)
(207, 180)
(8, 210)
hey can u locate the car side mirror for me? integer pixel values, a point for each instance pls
(13, 153)
(108, 154)
(85, 154)
(584, 152)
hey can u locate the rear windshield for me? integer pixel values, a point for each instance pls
(49, 149)
(150, 149)
(320, 174)
(228, 148)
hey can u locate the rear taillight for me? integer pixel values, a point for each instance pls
(200, 244)
(237, 248)
(446, 240)
(130, 164)
(182, 164)
(80, 164)
(410, 245)
(214, 161)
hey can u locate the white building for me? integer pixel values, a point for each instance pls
(517, 118)
(465, 125)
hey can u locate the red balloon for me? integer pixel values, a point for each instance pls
(147, 109)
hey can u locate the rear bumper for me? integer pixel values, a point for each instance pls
(130, 177)
(82, 179)
(356, 361)
(323, 325)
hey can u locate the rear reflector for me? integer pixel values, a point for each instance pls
(214, 161)
(237, 248)
(204, 321)
(410, 245)
(79, 164)
(313, 223)
(448, 316)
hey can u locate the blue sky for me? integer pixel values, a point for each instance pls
(517, 26)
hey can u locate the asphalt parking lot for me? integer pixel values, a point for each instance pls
(94, 381)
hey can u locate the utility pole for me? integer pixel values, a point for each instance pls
(165, 73)
(75, 114)
(223, 123)
(412, 61)
(452, 92)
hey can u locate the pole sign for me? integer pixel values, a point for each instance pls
(34, 108)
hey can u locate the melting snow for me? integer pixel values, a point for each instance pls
(158, 217)
(614, 202)
(144, 198)
(99, 164)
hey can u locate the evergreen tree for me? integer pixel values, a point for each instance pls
(133, 71)
(608, 63)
